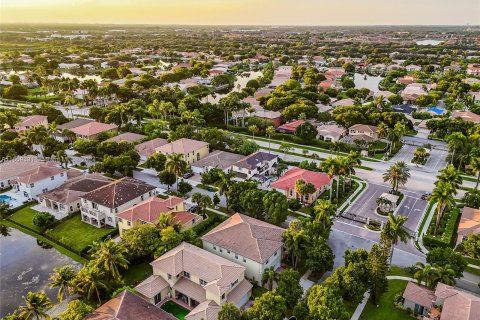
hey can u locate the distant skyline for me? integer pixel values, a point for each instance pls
(244, 12)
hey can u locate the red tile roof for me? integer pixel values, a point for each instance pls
(287, 181)
(93, 128)
(291, 126)
(150, 209)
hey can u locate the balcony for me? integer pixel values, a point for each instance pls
(93, 212)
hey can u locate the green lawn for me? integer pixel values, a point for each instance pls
(258, 291)
(25, 217)
(178, 311)
(137, 272)
(386, 309)
(399, 271)
(77, 234)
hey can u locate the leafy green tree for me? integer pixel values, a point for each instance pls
(170, 238)
(36, 305)
(84, 146)
(43, 220)
(377, 272)
(229, 312)
(319, 256)
(156, 161)
(141, 241)
(300, 311)
(276, 207)
(306, 131)
(61, 278)
(248, 147)
(447, 256)
(289, 287)
(472, 246)
(167, 178)
(184, 187)
(270, 306)
(252, 203)
(76, 310)
(324, 303)
(295, 240)
(91, 283)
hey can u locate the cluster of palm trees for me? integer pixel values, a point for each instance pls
(398, 175)
(393, 135)
(341, 167)
(447, 185)
(432, 275)
(464, 150)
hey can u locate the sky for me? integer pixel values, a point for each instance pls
(244, 12)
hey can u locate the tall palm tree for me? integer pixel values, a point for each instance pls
(394, 137)
(397, 174)
(61, 278)
(444, 274)
(394, 231)
(474, 166)
(330, 167)
(176, 164)
(382, 130)
(455, 141)
(110, 256)
(324, 212)
(90, 282)
(442, 194)
(424, 273)
(36, 304)
(224, 184)
(36, 135)
(451, 176)
(270, 276)
(165, 220)
(269, 131)
(295, 242)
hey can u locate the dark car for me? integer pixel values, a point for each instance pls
(193, 209)
(425, 196)
(188, 175)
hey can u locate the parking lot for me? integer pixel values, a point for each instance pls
(435, 162)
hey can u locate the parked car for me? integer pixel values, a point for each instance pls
(193, 208)
(425, 196)
(188, 175)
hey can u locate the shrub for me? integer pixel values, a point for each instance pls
(44, 220)
(294, 204)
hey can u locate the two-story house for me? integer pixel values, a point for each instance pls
(101, 206)
(257, 164)
(254, 244)
(195, 277)
(364, 132)
(150, 210)
(192, 150)
(31, 121)
(39, 180)
(287, 183)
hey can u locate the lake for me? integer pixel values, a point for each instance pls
(366, 81)
(26, 266)
(428, 42)
(81, 79)
(240, 82)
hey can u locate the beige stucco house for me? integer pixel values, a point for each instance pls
(192, 150)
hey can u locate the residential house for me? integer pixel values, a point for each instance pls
(286, 184)
(198, 278)
(91, 130)
(473, 69)
(39, 180)
(274, 116)
(364, 132)
(331, 132)
(412, 67)
(257, 165)
(30, 122)
(290, 127)
(466, 116)
(412, 92)
(217, 159)
(147, 148)
(127, 137)
(128, 306)
(418, 298)
(149, 211)
(101, 206)
(62, 135)
(254, 244)
(66, 198)
(343, 103)
(11, 169)
(469, 223)
(192, 150)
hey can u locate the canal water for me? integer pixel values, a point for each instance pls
(367, 81)
(25, 265)
(240, 83)
(428, 42)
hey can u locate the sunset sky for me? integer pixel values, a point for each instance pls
(246, 12)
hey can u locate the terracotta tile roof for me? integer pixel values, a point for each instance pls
(150, 209)
(32, 121)
(246, 236)
(239, 291)
(93, 128)
(219, 159)
(251, 161)
(73, 173)
(74, 188)
(191, 289)
(14, 167)
(287, 181)
(182, 217)
(364, 127)
(118, 192)
(458, 304)
(38, 174)
(469, 222)
(419, 294)
(218, 272)
(207, 310)
(147, 148)
(466, 116)
(332, 130)
(74, 123)
(182, 146)
(128, 306)
(151, 286)
(127, 136)
(291, 126)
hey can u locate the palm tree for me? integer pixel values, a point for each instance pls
(353, 159)
(295, 242)
(36, 135)
(165, 220)
(442, 194)
(176, 164)
(394, 230)
(330, 167)
(270, 276)
(61, 278)
(270, 131)
(253, 129)
(474, 166)
(397, 174)
(63, 158)
(110, 256)
(394, 137)
(36, 304)
(455, 141)
(284, 147)
(224, 184)
(444, 274)
(91, 281)
(451, 176)
(324, 212)
(382, 130)
(424, 273)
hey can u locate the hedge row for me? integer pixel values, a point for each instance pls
(206, 224)
(447, 238)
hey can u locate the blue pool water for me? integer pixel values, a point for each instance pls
(5, 198)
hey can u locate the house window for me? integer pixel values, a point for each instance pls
(141, 198)
(291, 192)
(71, 208)
(31, 185)
(186, 274)
(129, 223)
(52, 178)
(233, 283)
(268, 260)
(94, 205)
(120, 220)
(78, 205)
(62, 174)
(275, 254)
(221, 250)
(223, 296)
(244, 260)
(203, 282)
(214, 248)
(116, 210)
(236, 256)
(169, 276)
(228, 251)
(110, 219)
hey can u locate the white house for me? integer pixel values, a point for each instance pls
(101, 206)
(251, 243)
(39, 180)
(257, 164)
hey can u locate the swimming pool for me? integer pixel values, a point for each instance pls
(5, 198)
